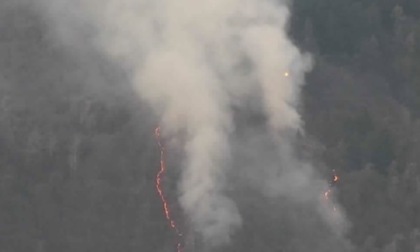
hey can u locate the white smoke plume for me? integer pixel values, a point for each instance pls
(192, 60)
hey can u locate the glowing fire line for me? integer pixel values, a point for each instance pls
(334, 181)
(159, 189)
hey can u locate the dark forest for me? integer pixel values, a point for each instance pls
(78, 157)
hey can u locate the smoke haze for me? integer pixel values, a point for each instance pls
(84, 84)
(193, 62)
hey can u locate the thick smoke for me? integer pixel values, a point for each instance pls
(192, 61)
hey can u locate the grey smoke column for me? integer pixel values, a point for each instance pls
(191, 60)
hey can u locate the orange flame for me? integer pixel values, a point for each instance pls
(159, 189)
(335, 177)
(328, 192)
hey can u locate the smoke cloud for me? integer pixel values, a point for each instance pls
(193, 61)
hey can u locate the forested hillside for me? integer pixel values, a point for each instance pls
(78, 157)
(362, 104)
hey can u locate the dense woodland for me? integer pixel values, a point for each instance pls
(78, 156)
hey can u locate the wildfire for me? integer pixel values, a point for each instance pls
(160, 191)
(327, 194)
(335, 177)
(332, 183)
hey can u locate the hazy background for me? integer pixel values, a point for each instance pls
(78, 157)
